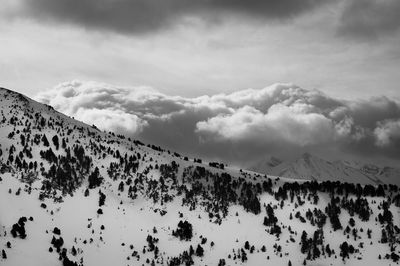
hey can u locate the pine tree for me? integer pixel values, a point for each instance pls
(247, 245)
(45, 141)
(3, 254)
(344, 250)
(199, 251)
(55, 141)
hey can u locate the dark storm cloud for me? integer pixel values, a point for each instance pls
(138, 16)
(368, 19)
(241, 126)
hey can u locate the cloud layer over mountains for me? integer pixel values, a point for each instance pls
(282, 119)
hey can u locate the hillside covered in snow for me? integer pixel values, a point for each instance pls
(71, 194)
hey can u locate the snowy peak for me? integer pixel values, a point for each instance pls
(307, 167)
(273, 162)
(311, 161)
(266, 166)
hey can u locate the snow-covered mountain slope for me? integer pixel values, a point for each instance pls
(73, 195)
(266, 166)
(311, 167)
(387, 175)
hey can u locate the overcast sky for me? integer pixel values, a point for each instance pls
(175, 51)
(347, 48)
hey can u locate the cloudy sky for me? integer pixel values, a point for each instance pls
(245, 126)
(204, 70)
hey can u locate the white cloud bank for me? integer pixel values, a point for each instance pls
(291, 124)
(243, 125)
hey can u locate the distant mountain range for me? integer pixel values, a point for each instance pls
(311, 167)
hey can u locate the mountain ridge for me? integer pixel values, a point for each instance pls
(312, 167)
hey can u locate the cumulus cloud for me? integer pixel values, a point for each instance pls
(291, 124)
(114, 120)
(141, 16)
(282, 119)
(94, 103)
(387, 132)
